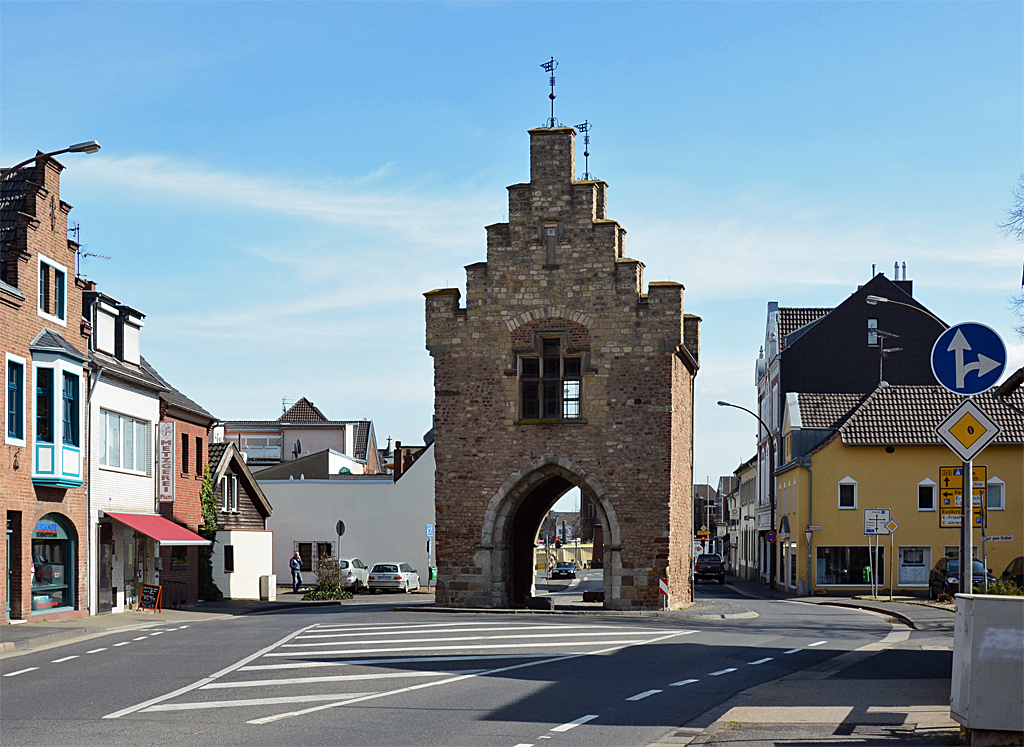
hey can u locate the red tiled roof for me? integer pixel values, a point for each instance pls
(303, 411)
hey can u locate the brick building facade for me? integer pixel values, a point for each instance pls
(560, 371)
(42, 480)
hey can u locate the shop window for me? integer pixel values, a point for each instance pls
(229, 558)
(125, 443)
(52, 565)
(44, 405)
(848, 493)
(848, 566)
(70, 401)
(926, 495)
(550, 385)
(995, 495)
(15, 400)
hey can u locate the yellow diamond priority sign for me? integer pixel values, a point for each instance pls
(967, 430)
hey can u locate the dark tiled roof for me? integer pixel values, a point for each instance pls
(215, 452)
(303, 411)
(827, 410)
(792, 319)
(136, 374)
(361, 438)
(174, 397)
(12, 201)
(50, 341)
(909, 415)
(241, 425)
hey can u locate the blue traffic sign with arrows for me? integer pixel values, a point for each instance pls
(968, 358)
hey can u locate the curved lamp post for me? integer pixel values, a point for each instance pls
(771, 479)
(89, 146)
(875, 300)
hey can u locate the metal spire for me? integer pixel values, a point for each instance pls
(549, 67)
(585, 129)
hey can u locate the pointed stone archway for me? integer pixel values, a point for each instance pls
(513, 516)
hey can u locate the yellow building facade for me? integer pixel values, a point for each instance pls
(880, 451)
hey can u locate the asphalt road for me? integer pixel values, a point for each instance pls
(363, 674)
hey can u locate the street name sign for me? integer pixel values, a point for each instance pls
(967, 430)
(1000, 538)
(876, 521)
(968, 358)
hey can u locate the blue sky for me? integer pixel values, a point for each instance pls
(280, 182)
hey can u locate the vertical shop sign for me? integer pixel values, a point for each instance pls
(165, 481)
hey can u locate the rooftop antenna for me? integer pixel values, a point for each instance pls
(872, 269)
(585, 129)
(549, 67)
(76, 230)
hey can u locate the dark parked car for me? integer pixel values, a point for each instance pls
(564, 569)
(945, 577)
(1014, 572)
(710, 565)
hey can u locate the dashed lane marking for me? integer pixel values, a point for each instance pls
(722, 671)
(574, 724)
(793, 651)
(760, 661)
(644, 694)
(819, 643)
(683, 682)
(122, 643)
(20, 671)
(141, 638)
(96, 650)
(66, 658)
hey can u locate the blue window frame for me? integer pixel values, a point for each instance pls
(58, 294)
(70, 409)
(44, 405)
(15, 400)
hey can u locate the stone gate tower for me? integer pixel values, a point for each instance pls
(560, 371)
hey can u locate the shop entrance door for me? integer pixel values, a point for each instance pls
(105, 566)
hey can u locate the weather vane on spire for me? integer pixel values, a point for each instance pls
(550, 68)
(585, 129)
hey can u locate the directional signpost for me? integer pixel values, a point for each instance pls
(968, 359)
(877, 521)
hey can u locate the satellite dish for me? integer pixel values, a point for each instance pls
(297, 449)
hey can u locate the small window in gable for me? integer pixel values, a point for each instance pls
(926, 495)
(847, 493)
(996, 495)
(53, 293)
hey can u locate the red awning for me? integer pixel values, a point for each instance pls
(162, 530)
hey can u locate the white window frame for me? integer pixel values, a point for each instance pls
(25, 380)
(102, 450)
(927, 483)
(873, 333)
(229, 494)
(839, 494)
(1002, 494)
(43, 260)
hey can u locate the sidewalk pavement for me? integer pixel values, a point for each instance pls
(895, 691)
(35, 636)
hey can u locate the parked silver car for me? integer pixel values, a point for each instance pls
(393, 576)
(355, 573)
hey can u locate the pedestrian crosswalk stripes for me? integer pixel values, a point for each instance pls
(435, 653)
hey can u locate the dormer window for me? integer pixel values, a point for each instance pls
(550, 385)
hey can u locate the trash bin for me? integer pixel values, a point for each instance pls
(432, 572)
(268, 588)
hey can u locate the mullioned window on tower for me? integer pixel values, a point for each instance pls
(550, 384)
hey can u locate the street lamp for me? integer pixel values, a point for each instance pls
(875, 300)
(89, 146)
(771, 479)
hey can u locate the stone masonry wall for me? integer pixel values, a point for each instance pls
(631, 450)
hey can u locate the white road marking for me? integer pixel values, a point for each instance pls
(760, 661)
(182, 627)
(683, 682)
(388, 660)
(525, 744)
(329, 678)
(350, 634)
(66, 658)
(722, 671)
(644, 694)
(122, 643)
(574, 724)
(793, 651)
(398, 627)
(20, 671)
(819, 643)
(458, 648)
(159, 632)
(95, 650)
(451, 680)
(205, 680)
(250, 702)
(141, 638)
(504, 637)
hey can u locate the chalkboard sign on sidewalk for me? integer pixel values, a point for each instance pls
(151, 598)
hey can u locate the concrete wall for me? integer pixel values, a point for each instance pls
(384, 520)
(252, 560)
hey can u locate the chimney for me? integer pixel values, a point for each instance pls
(399, 466)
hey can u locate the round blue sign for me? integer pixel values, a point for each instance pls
(968, 358)
(769, 537)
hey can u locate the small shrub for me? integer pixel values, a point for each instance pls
(330, 582)
(944, 599)
(1005, 587)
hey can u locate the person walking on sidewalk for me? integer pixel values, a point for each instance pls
(296, 566)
